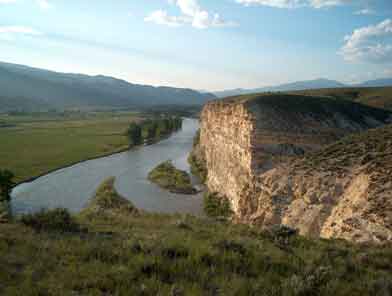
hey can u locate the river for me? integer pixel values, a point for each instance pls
(72, 187)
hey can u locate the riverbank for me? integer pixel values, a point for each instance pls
(35, 146)
(121, 150)
(70, 187)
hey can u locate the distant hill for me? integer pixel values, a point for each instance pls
(303, 85)
(26, 88)
(377, 83)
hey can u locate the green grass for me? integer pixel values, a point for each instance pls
(107, 201)
(38, 144)
(114, 252)
(167, 176)
(153, 254)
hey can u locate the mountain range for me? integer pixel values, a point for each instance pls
(27, 88)
(303, 85)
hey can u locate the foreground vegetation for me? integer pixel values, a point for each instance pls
(167, 176)
(113, 249)
(36, 143)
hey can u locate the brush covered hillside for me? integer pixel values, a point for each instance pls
(111, 248)
(315, 84)
(254, 150)
(30, 89)
(380, 97)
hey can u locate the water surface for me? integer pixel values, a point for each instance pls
(72, 187)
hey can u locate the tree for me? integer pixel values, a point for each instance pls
(149, 129)
(135, 134)
(6, 184)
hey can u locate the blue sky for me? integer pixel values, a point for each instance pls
(213, 45)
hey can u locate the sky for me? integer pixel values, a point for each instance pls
(202, 44)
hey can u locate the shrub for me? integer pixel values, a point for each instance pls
(6, 184)
(217, 206)
(198, 167)
(59, 220)
(5, 212)
(107, 200)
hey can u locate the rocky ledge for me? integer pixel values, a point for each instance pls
(302, 161)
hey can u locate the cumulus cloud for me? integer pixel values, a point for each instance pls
(371, 44)
(295, 3)
(161, 17)
(191, 13)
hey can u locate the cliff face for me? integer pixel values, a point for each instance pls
(263, 154)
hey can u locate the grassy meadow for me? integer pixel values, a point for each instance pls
(111, 248)
(32, 145)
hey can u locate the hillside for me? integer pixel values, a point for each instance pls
(380, 97)
(305, 85)
(248, 145)
(29, 88)
(111, 248)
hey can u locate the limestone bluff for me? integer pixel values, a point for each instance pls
(289, 159)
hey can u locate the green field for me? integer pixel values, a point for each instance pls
(32, 145)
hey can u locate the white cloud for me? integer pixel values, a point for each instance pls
(161, 17)
(295, 3)
(44, 4)
(19, 30)
(7, 1)
(191, 13)
(365, 11)
(371, 44)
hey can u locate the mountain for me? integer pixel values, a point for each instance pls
(304, 85)
(377, 83)
(23, 87)
(299, 85)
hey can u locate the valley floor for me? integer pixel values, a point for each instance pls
(32, 145)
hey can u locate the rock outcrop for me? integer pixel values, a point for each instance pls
(271, 157)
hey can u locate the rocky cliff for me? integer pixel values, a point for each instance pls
(272, 157)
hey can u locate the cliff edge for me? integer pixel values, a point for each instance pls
(303, 161)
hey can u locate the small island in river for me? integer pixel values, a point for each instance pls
(167, 176)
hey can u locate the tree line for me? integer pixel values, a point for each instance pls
(152, 129)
